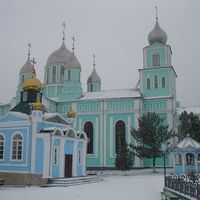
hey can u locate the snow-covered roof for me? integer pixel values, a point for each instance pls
(188, 143)
(111, 94)
(189, 109)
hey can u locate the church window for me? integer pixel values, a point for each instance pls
(1, 147)
(69, 75)
(148, 84)
(156, 59)
(55, 159)
(88, 129)
(17, 147)
(155, 81)
(163, 82)
(38, 97)
(22, 79)
(120, 129)
(54, 74)
(62, 71)
(48, 74)
(24, 96)
(91, 88)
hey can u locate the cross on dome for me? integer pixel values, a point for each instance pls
(64, 27)
(29, 49)
(73, 42)
(156, 13)
(94, 59)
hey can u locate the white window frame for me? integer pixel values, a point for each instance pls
(17, 148)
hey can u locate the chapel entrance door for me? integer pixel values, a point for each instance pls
(68, 165)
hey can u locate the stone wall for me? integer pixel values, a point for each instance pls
(22, 179)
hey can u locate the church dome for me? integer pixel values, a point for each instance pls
(157, 35)
(37, 106)
(27, 67)
(63, 56)
(32, 84)
(94, 77)
(71, 113)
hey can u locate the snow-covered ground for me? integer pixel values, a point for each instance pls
(134, 186)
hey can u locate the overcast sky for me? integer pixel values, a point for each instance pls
(115, 30)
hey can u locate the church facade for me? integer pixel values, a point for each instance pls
(107, 116)
(36, 145)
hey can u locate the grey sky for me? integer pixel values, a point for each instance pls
(115, 30)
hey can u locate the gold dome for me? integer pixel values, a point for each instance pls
(32, 84)
(37, 106)
(71, 113)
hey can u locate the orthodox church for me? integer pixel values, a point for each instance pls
(35, 144)
(106, 116)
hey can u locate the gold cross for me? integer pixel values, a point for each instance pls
(94, 59)
(33, 61)
(73, 41)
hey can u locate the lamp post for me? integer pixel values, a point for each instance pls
(164, 150)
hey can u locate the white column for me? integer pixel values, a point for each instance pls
(46, 157)
(62, 157)
(75, 157)
(129, 128)
(84, 158)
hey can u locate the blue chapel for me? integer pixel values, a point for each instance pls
(35, 144)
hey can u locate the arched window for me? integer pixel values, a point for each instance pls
(22, 79)
(156, 59)
(155, 81)
(120, 130)
(17, 145)
(62, 71)
(54, 74)
(69, 75)
(163, 82)
(1, 147)
(148, 83)
(91, 88)
(189, 159)
(178, 159)
(48, 74)
(88, 129)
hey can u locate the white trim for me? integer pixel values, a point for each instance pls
(62, 158)
(128, 129)
(46, 157)
(74, 156)
(111, 137)
(11, 147)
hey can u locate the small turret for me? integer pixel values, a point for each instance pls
(94, 81)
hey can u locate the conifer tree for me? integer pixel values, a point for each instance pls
(149, 136)
(189, 125)
(124, 157)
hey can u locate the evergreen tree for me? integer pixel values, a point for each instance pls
(189, 124)
(124, 157)
(149, 136)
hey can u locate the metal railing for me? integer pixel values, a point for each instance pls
(188, 185)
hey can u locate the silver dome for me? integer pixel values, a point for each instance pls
(27, 67)
(157, 35)
(63, 56)
(94, 77)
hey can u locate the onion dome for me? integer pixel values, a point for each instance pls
(94, 77)
(71, 113)
(157, 35)
(27, 67)
(63, 56)
(32, 84)
(37, 106)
